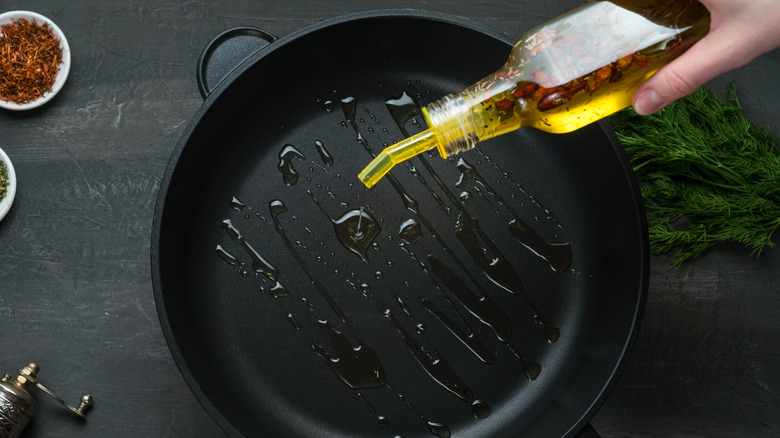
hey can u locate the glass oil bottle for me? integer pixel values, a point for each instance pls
(562, 75)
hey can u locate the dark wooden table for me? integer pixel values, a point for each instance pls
(75, 288)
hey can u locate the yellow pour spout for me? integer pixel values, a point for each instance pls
(392, 155)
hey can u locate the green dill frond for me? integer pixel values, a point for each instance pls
(707, 175)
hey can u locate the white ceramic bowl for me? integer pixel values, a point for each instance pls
(10, 193)
(62, 74)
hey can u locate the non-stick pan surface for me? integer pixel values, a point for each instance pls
(287, 317)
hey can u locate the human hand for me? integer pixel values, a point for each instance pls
(740, 31)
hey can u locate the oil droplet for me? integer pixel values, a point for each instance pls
(294, 322)
(465, 196)
(551, 333)
(470, 340)
(421, 328)
(410, 231)
(277, 207)
(278, 290)
(359, 367)
(226, 256)
(289, 174)
(557, 255)
(480, 409)
(439, 429)
(484, 308)
(495, 266)
(405, 307)
(324, 154)
(356, 230)
(402, 109)
(467, 172)
(349, 106)
(329, 106)
(531, 368)
(437, 368)
(237, 205)
(259, 264)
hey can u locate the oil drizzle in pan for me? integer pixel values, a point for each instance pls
(530, 368)
(359, 367)
(557, 255)
(436, 367)
(276, 208)
(469, 233)
(259, 263)
(350, 106)
(357, 231)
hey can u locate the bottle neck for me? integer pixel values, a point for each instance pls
(452, 122)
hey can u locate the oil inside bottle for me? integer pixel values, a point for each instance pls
(584, 65)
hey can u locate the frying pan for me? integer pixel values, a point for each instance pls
(494, 294)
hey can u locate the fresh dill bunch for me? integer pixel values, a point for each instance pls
(707, 175)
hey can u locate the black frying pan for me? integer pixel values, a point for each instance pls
(495, 296)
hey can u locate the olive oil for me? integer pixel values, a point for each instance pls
(562, 75)
(289, 174)
(356, 230)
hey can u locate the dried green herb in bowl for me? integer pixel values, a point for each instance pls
(3, 180)
(7, 184)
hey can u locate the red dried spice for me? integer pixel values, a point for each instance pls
(30, 56)
(505, 104)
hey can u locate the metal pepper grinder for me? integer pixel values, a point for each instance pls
(17, 406)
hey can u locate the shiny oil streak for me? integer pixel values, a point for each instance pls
(348, 356)
(471, 235)
(276, 208)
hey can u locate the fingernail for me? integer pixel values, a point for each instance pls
(648, 102)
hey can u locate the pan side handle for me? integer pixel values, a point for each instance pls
(227, 51)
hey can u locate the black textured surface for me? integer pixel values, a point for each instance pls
(75, 283)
